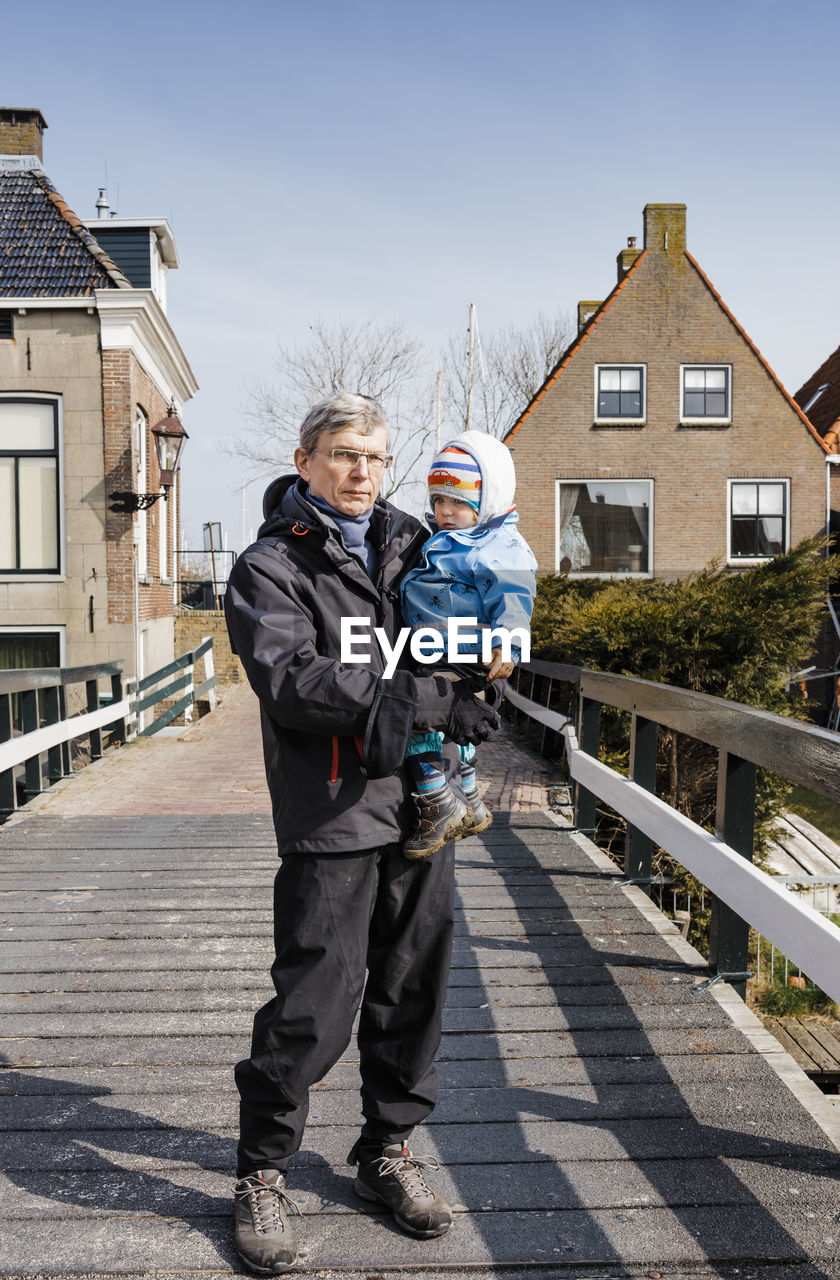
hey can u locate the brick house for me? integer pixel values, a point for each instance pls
(663, 440)
(89, 364)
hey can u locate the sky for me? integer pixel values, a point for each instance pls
(341, 161)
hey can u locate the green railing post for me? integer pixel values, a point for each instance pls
(735, 825)
(638, 848)
(119, 727)
(8, 795)
(52, 709)
(65, 746)
(589, 738)
(95, 735)
(29, 722)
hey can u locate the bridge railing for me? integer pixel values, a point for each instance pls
(180, 674)
(46, 729)
(745, 738)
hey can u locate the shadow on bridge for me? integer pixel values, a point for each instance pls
(710, 1214)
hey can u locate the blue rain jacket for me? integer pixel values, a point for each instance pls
(486, 572)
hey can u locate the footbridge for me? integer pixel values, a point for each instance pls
(598, 1117)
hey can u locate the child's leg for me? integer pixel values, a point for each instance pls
(440, 811)
(480, 817)
(467, 754)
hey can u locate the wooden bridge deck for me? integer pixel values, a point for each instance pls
(596, 1119)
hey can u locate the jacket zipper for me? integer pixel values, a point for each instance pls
(334, 769)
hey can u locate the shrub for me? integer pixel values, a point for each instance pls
(737, 635)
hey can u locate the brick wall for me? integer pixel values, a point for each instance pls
(126, 386)
(191, 626)
(666, 316)
(21, 133)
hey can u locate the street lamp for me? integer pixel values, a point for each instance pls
(169, 437)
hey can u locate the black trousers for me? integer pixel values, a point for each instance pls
(336, 916)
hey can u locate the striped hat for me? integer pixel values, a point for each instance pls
(456, 474)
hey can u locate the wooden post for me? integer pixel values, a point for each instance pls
(66, 764)
(8, 796)
(589, 737)
(119, 727)
(95, 735)
(735, 825)
(52, 709)
(29, 722)
(638, 848)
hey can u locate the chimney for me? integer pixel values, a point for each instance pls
(665, 228)
(22, 132)
(586, 311)
(627, 257)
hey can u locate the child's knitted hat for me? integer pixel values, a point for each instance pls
(456, 474)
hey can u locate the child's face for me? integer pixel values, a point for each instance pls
(452, 514)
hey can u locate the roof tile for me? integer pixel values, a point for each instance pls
(824, 413)
(45, 250)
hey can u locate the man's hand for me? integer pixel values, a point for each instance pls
(499, 670)
(470, 720)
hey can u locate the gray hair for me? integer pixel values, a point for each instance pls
(345, 409)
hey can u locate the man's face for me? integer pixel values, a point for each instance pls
(352, 490)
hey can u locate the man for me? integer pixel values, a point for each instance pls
(346, 900)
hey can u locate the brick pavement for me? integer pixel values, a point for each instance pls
(216, 767)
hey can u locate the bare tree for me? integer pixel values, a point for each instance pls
(378, 359)
(510, 366)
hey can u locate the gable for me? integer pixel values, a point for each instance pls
(667, 305)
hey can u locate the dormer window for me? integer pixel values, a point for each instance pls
(620, 393)
(705, 394)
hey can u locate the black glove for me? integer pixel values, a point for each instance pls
(470, 721)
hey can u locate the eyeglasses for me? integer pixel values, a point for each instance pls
(349, 458)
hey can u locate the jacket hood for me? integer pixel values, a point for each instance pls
(498, 476)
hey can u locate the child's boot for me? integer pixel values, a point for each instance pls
(479, 817)
(441, 815)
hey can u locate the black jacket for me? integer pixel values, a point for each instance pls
(329, 730)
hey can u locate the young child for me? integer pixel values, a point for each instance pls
(477, 565)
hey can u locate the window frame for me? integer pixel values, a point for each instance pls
(56, 401)
(708, 421)
(782, 480)
(622, 419)
(596, 480)
(141, 485)
(57, 629)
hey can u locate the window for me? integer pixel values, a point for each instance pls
(705, 393)
(619, 392)
(758, 519)
(35, 647)
(604, 527)
(7, 324)
(815, 397)
(141, 528)
(29, 486)
(26, 647)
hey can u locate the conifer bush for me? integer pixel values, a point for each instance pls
(737, 635)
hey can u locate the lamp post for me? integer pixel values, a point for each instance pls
(169, 437)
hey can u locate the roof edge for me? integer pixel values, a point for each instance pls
(767, 367)
(74, 221)
(573, 347)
